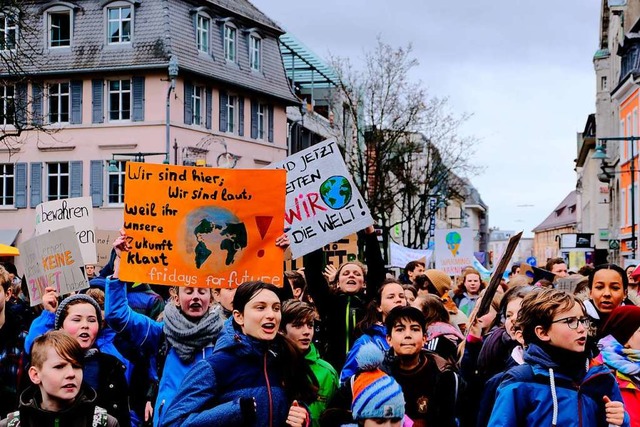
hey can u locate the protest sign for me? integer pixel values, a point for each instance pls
(76, 212)
(454, 250)
(341, 251)
(104, 245)
(53, 259)
(401, 256)
(195, 226)
(323, 204)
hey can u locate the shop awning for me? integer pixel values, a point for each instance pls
(8, 236)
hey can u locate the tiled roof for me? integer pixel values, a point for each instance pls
(247, 10)
(563, 215)
(161, 28)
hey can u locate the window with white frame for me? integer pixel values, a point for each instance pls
(119, 100)
(203, 24)
(255, 52)
(115, 182)
(230, 43)
(59, 27)
(6, 184)
(628, 132)
(59, 102)
(262, 114)
(119, 20)
(7, 105)
(622, 147)
(231, 113)
(58, 182)
(197, 105)
(623, 207)
(8, 32)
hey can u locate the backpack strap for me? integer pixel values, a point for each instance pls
(100, 417)
(13, 419)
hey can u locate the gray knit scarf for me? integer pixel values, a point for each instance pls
(188, 337)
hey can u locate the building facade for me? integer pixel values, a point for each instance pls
(184, 82)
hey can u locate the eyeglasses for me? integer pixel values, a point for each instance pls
(572, 322)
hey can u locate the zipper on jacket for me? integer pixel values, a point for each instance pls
(348, 329)
(266, 377)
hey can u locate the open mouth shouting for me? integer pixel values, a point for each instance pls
(269, 328)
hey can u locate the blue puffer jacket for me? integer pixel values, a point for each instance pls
(147, 334)
(526, 395)
(104, 342)
(377, 335)
(240, 367)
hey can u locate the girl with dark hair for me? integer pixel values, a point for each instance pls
(608, 284)
(342, 306)
(255, 376)
(389, 296)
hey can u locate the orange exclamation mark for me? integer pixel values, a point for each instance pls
(263, 223)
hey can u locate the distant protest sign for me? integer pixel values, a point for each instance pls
(104, 245)
(454, 250)
(53, 259)
(195, 226)
(76, 212)
(401, 256)
(323, 204)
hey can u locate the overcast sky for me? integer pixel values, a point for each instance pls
(523, 68)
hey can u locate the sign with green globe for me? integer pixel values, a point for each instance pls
(336, 192)
(323, 204)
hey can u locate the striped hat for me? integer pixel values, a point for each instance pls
(375, 394)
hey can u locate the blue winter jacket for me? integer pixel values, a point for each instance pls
(525, 396)
(147, 334)
(240, 367)
(377, 335)
(45, 323)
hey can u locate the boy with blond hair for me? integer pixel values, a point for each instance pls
(58, 397)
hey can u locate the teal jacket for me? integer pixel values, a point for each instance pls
(327, 383)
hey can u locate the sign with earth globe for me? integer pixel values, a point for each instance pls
(336, 192)
(323, 204)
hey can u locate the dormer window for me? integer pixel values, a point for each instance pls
(230, 42)
(8, 32)
(203, 25)
(59, 24)
(255, 52)
(119, 23)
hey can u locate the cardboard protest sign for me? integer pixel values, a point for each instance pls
(194, 226)
(454, 250)
(401, 256)
(323, 204)
(343, 250)
(76, 212)
(53, 259)
(104, 245)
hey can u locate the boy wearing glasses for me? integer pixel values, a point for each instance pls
(555, 385)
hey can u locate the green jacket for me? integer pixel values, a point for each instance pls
(327, 383)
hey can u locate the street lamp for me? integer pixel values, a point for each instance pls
(173, 73)
(601, 154)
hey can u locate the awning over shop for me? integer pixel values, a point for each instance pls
(8, 236)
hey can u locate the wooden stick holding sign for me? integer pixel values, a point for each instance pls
(496, 278)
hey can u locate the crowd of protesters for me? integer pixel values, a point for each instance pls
(346, 345)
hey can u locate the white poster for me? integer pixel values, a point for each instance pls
(454, 250)
(76, 212)
(53, 259)
(401, 256)
(323, 204)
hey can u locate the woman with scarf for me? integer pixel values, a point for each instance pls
(255, 377)
(620, 351)
(187, 334)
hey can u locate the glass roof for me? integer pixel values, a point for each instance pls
(303, 67)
